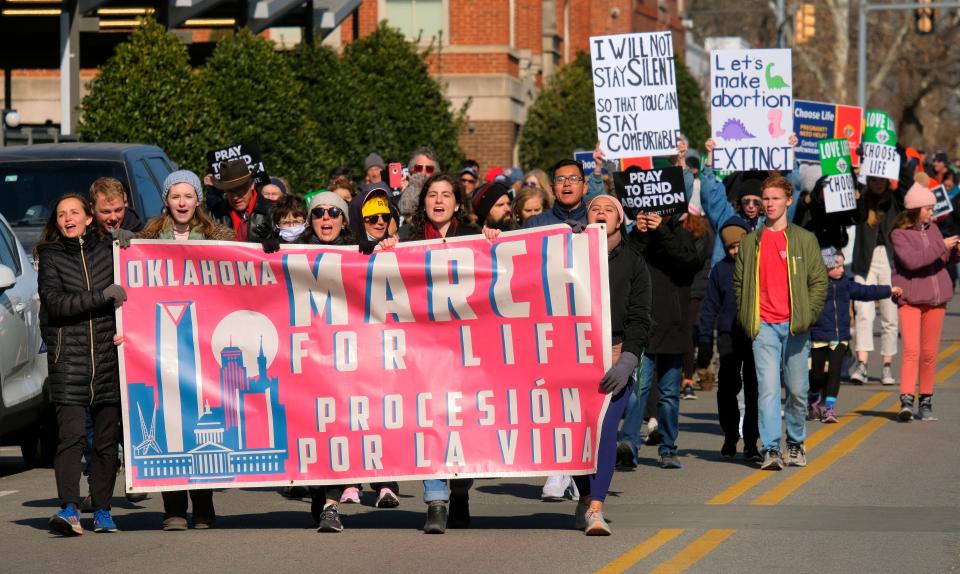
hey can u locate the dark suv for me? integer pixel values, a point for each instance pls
(33, 177)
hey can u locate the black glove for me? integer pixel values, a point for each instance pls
(271, 244)
(575, 225)
(116, 294)
(122, 237)
(618, 376)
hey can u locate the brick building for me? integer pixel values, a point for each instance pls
(498, 52)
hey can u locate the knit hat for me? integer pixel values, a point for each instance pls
(749, 186)
(829, 255)
(733, 230)
(373, 160)
(513, 175)
(485, 198)
(182, 176)
(332, 199)
(919, 196)
(279, 183)
(612, 200)
(492, 174)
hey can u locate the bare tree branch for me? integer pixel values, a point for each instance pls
(814, 69)
(888, 60)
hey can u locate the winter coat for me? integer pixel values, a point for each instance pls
(406, 233)
(673, 261)
(220, 233)
(630, 293)
(865, 239)
(260, 223)
(834, 321)
(700, 281)
(806, 275)
(77, 322)
(920, 262)
(719, 307)
(558, 214)
(131, 220)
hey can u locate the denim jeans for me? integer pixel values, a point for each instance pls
(776, 351)
(666, 370)
(437, 489)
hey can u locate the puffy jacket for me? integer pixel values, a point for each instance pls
(719, 307)
(865, 237)
(807, 277)
(630, 320)
(673, 259)
(920, 262)
(834, 321)
(77, 322)
(558, 214)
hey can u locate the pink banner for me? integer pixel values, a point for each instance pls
(321, 365)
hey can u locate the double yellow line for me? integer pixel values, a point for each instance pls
(712, 538)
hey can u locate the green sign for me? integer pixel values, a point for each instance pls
(879, 128)
(838, 189)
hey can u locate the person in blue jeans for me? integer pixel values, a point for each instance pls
(436, 494)
(780, 284)
(673, 259)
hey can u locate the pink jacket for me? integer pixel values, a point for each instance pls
(920, 262)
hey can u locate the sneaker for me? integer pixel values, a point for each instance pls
(436, 518)
(906, 408)
(752, 455)
(814, 412)
(688, 394)
(669, 460)
(103, 522)
(67, 522)
(459, 516)
(136, 497)
(174, 523)
(556, 488)
(625, 458)
(796, 456)
(829, 416)
(580, 516)
(925, 408)
(859, 374)
(330, 519)
(729, 448)
(886, 375)
(386, 499)
(596, 525)
(351, 495)
(772, 460)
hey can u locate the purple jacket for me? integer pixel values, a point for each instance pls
(920, 262)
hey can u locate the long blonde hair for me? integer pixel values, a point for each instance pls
(201, 221)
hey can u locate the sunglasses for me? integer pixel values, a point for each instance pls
(375, 219)
(755, 202)
(531, 184)
(467, 180)
(319, 212)
(419, 168)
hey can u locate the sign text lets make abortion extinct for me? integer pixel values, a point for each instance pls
(322, 365)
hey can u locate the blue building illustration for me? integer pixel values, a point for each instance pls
(174, 430)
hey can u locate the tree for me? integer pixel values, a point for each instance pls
(393, 104)
(693, 116)
(147, 93)
(256, 95)
(562, 118)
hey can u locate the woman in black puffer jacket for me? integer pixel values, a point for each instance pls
(78, 299)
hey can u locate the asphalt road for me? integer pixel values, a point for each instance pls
(877, 496)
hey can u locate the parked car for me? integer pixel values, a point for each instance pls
(25, 418)
(33, 177)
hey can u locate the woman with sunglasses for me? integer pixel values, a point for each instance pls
(439, 211)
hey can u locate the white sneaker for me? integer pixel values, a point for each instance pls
(350, 495)
(596, 525)
(556, 487)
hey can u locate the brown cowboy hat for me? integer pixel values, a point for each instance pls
(233, 173)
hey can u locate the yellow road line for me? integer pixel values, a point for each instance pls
(694, 551)
(640, 551)
(758, 476)
(948, 351)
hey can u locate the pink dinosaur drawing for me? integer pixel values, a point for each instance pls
(775, 117)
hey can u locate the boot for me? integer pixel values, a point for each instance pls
(925, 409)
(906, 408)
(436, 518)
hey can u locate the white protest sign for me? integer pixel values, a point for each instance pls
(635, 94)
(751, 109)
(838, 191)
(880, 157)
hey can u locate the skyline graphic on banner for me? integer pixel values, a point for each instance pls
(197, 429)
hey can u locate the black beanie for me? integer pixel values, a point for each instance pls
(485, 197)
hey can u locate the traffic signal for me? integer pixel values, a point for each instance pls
(923, 17)
(805, 23)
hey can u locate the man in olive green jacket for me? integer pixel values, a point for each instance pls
(780, 284)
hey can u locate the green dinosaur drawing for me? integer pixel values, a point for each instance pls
(774, 82)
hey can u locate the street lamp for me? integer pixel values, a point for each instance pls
(10, 118)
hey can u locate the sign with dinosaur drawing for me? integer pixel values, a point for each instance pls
(751, 109)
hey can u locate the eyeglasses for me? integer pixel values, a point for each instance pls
(531, 184)
(375, 219)
(561, 179)
(319, 212)
(754, 202)
(420, 168)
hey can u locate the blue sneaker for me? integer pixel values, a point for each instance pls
(102, 522)
(67, 522)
